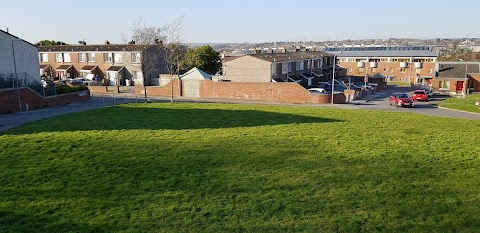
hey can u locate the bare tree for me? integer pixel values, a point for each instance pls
(166, 45)
(173, 38)
(143, 34)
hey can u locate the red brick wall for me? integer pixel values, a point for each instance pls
(98, 89)
(275, 92)
(9, 99)
(159, 91)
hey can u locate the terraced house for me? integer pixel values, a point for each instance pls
(115, 64)
(409, 64)
(306, 68)
(457, 78)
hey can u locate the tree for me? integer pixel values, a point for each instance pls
(173, 49)
(50, 42)
(166, 46)
(205, 58)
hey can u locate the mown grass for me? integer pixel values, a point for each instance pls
(240, 168)
(467, 104)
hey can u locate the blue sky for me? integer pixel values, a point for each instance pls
(243, 21)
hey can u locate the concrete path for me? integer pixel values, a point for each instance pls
(378, 101)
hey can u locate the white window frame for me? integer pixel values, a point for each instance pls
(309, 64)
(108, 57)
(44, 57)
(82, 57)
(117, 58)
(430, 71)
(136, 58)
(58, 57)
(418, 71)
(67, 57)
(92, 55)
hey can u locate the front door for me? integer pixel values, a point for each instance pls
(112, 76)
(460, 86)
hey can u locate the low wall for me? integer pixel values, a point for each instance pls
(159, 90)
(274, 92)
(9, 99)
(98, 89)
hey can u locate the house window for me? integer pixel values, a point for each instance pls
(309, 64)
(58, 57)
(284, 68)
(66, 57)
(43, 57)
(444, 85)
(81, 57)
(90, 57)
(350, 69)
(117, 58)
(374, 70)
(136, 58)
(302, 65)
(430, 71)
(417, 71)
(108, 57)
(360, 70)
(403, 70)
(137, 75)
(391, 70)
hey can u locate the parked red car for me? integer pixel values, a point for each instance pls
(420, 95)
(401, 99)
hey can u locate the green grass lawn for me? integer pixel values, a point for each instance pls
(240, 168)
(467, 104)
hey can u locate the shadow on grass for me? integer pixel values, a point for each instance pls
(134, 117)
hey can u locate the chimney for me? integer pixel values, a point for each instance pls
(131, 42)
(270, 50)
(107, 42)
(8, 29)
(255, 51)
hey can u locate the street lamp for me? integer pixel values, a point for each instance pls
(16, 76)
(333, 77)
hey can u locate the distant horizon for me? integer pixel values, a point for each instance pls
(249, 21)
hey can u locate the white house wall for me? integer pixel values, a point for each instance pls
(26, 56)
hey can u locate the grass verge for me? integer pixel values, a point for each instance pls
(240, 168)
(467, 104)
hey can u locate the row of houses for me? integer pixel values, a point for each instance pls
(113, 64)
(417, 65)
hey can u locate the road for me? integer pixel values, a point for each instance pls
(380, 102)
(377, 102)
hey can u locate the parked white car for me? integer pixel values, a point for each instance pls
(317, 91)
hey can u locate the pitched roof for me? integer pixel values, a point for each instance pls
(195, 74)
(457, 69)
(115, 68)
(64, 67)
(421, 51)
(16, 37)
(92, 48)
(89, 67)
(290, 56)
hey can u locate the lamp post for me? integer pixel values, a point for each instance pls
(16, 76)
(333, 77)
